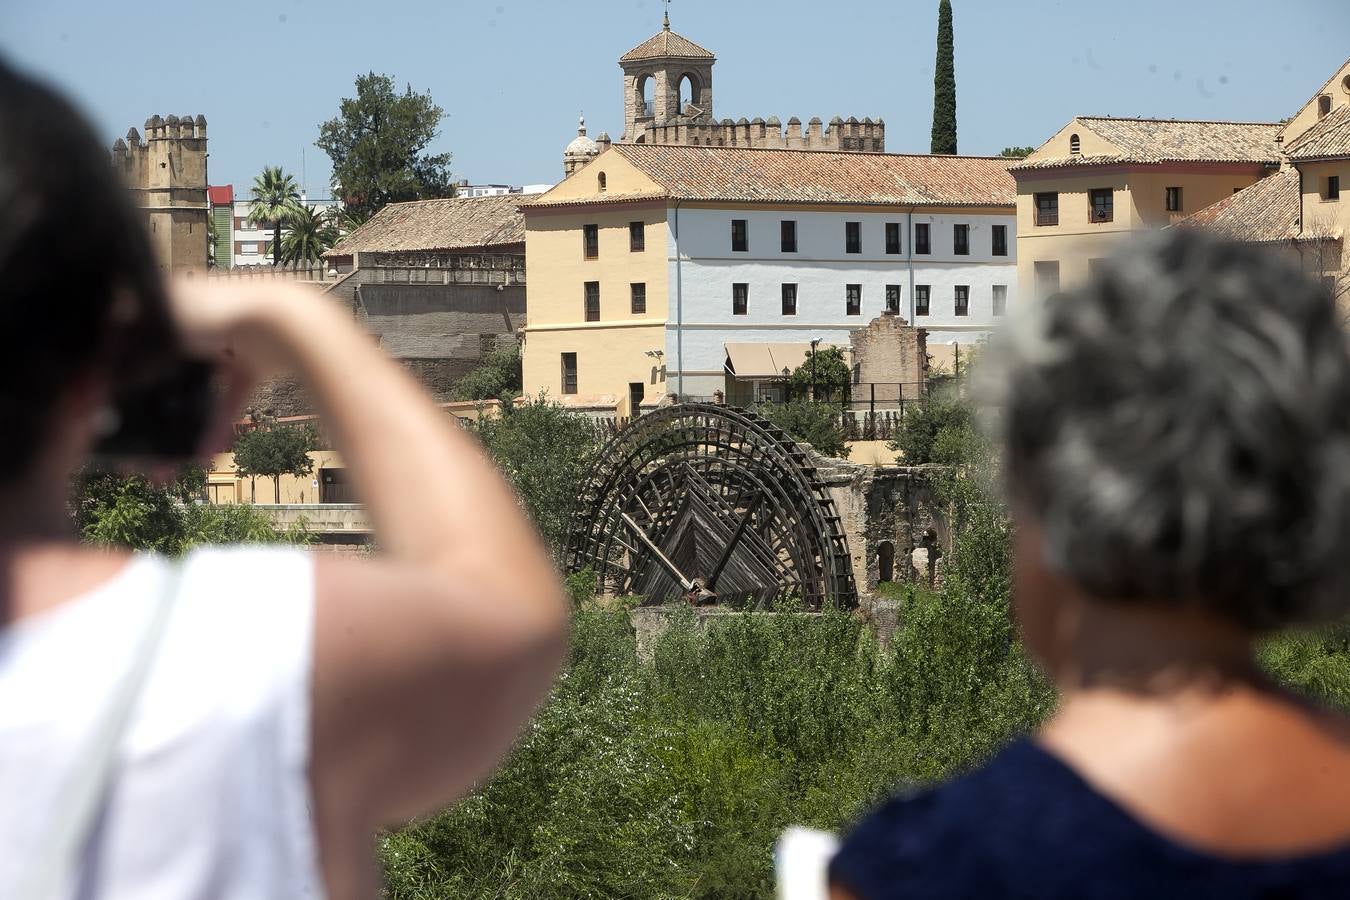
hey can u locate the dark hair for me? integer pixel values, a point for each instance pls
(1180, 428)
(79, 287)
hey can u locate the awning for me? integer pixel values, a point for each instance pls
(766, 359)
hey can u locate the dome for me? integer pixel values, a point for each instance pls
(582, 145)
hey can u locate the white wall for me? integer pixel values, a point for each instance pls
(260, 237)
(708, 267)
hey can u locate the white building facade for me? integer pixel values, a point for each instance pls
(251, 242)
(743, 274)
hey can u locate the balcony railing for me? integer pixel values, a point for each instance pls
(1047, 217)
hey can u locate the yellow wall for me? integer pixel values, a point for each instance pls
(611, 353)
(608, 360)
(1327, 217)
(1139, 203)
(1307, 116)
(223, 486)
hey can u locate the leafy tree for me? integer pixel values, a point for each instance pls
(496, 377)
(543, 449)
(823, 372)
(940, 430)
(1016, 152)
(129, 511)
(944, 85)
(276, 202)
(272, 451)
(817, 424)
(377, 144)
(345, 220)
(309, 234)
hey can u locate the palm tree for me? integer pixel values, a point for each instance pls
(308, 235)
(276, 200)
(346, 220)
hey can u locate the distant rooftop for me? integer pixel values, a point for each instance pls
(814, 176)
(1330, 137)
(1152, 141)
(460, 223)
(666, 43)
(1264, 211)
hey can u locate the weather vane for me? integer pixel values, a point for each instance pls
(667, 5)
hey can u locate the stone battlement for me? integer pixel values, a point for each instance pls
(842, 134)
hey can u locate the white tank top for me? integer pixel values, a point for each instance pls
(209, 797)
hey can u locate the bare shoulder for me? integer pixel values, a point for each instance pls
(43, 577)
(1250, 772)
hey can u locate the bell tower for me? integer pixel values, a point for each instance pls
(656, 69)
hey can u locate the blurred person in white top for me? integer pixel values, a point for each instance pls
(297, 702)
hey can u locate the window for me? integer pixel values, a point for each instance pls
(1000, 238)
(590, 240)
(1173, 199)
(740, 299)
(639, 290)
(1333, 187)
(1100, 204)
(961, 240)
(921, 292)
(1000, 299)
(1047, 277)
(789, 299)
(592, 301)
(637, 237)
(569, 373)
(852, 237)
(601, 183)
(1075, 146)
(740, 235)
(1047, 209)
(963, 299)
(893, 299)
(788, 233)
(1323, 105)
(892, 238)
(921, 243)
(853, 299)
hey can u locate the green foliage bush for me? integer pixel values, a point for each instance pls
(940, 430)
(496, 377)
(129, 511)
(816, 424)
(544, 450)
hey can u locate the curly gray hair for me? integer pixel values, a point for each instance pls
(1179, 427)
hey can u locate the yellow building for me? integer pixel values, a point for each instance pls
(1098, 179)
(1300, 209)
(651, 269)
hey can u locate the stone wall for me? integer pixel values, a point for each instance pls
(890, 351)
(883, 505)
(850, 135)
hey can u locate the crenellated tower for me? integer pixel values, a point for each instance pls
(668, 99)
(166, 174)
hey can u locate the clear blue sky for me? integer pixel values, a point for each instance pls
(513, 74)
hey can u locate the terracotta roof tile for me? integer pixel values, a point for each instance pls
(459, 223)
(1171, 140)
(666, 43)
(817, 176)
(1261, 212)
(1329, 137)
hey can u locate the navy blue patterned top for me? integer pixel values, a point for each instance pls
(1027, 825)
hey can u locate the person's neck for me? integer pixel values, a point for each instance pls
(1153, 651)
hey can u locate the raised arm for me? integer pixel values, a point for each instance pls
(430, 657)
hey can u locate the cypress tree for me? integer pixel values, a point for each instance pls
(944, 85)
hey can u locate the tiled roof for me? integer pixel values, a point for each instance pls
(1329, 137)
(1265, 211)
(666, 43)
(817, 176)
(1171, 140)
(221, 194)
(460, 223)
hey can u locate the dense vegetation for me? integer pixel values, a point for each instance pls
(131, 511)
(672, 777)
